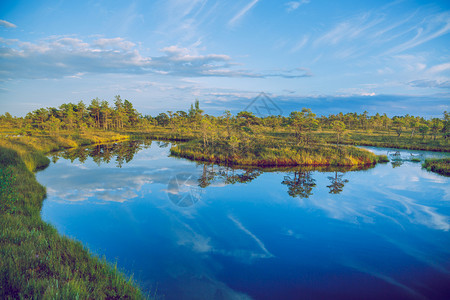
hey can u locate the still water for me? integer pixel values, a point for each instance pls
(193, 231)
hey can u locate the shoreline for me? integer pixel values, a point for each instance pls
(36, 261)
(25, 155)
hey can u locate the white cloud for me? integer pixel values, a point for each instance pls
(7, 24)
(242, 12)
(293, 5)
(410, 63)
(115, 43)
(58, 57)
(72, 57)
(440, 68)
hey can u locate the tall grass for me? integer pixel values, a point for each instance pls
(441, 166)
(35, 261)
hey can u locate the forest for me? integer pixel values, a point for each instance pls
(99, 114)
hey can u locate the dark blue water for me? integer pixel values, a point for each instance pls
(189, 231)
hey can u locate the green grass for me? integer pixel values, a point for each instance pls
(35, 261)
(272, 155)
(441, 166)
(389, 140)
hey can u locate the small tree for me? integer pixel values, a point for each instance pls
(436, 126)
(414, 125)
(234, 144)
(399, 124)
(339, 128)
(423, 129)
(446, 127)
(206, 131)
(162, 119)
(53, 124)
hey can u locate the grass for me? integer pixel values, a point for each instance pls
(389, 140)
(276, 156)
(265, 147)
(35, 261)
(441, 166)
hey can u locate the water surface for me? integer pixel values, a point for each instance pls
(192, 231)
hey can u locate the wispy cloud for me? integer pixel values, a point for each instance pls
(375, 33)
(289, 74)
(7, 24)
(261, 245)
(429, 29)
(426, 83)
(293, 5)
(185, 19)
(300, 44)
(440, 68)
(69, 57)
(242, 12)
(348, 30)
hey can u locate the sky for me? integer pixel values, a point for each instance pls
(352, 56)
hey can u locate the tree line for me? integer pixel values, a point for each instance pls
(99, 114)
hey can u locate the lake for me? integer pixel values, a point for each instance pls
(191, 231)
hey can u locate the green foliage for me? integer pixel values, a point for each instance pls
(441, 166)
(270, 154)
(35, 261)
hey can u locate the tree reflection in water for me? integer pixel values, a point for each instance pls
(300, 184)
(122, 152)
(208, 176)
(227, 175)
(337, 183)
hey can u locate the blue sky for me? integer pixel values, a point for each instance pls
(379, 56)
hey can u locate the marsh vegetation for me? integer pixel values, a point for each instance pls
(37, 262)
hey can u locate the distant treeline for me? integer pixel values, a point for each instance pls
(99, 114)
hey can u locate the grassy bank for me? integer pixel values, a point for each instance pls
(389, 140)
(35, 261)
(441, 166)
(272, 156)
